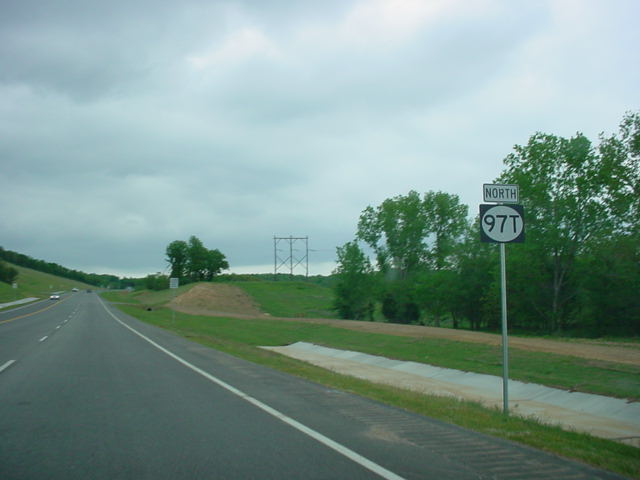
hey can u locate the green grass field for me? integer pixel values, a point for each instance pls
(32, 283)
(291, 298)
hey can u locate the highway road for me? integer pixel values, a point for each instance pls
(88, 392)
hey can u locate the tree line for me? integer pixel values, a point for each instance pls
(9, 274)
(578, 271)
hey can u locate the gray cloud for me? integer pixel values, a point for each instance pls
(126, 125)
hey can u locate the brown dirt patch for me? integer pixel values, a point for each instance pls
(219, 299)
(216, 299)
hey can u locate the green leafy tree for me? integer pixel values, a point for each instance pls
(447, 221)
(609, 271)
(476, 267)
(400, 303)
(620, 160)
(193, 261)
(8, 274)
(561, 188)
(177, 256)
(610, 282)
(156, 281)
(354, 287)
(197, 255)
(435, 291)
(215, 263)
(396, 231)
(412, 236)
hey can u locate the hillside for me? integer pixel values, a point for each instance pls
(32, 283)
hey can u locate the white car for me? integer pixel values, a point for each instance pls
(55, 296)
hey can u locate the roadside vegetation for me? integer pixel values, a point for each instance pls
(32, 283)
(559, 371)
(22, 260)
(576, 274)
(243, 337)
(292, 298)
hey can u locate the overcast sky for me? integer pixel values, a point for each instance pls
(125, 125)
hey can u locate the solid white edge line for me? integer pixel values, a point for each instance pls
(350, 454)
(7, 365)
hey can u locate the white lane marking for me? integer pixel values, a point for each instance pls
(58, 327)
(7, 365)
(341, 449)
(43, 338)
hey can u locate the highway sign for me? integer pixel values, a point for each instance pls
(501, 223)
(500, 193)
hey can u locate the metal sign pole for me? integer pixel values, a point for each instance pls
(505, 338)
(502, 223)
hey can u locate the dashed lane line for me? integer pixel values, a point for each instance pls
(37, 311)
(6, 365)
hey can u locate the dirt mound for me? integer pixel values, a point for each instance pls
(216, 299)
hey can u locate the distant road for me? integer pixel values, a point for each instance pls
(87, 392)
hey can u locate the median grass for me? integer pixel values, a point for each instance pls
(242, 338)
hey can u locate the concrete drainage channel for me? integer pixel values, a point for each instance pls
(18, 302)
(606, 417)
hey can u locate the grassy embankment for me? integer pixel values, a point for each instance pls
(32, 283)
(242, 337)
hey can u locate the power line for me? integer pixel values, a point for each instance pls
(290, 256)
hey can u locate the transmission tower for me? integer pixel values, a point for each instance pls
(289, 253)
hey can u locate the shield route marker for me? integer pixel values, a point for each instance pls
(502, 223)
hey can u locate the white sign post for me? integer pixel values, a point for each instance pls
(502, 224)
(173, 284)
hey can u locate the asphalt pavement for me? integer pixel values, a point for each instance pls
(88, 392)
